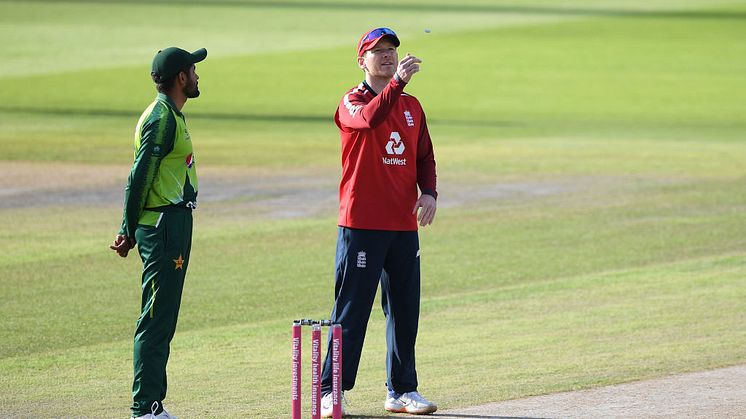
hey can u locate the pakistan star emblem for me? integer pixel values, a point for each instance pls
(179, 262)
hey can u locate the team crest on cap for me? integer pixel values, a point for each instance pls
(190, 160)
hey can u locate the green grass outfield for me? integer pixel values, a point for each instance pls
(592, 228)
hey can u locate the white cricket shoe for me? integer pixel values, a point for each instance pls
(163, 415)
(327, 405)
(412, 403)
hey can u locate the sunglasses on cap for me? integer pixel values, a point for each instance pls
(375, 33)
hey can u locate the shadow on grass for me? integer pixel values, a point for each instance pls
(246, 117)
(117, 113)
(445, 8)
(457, 415)
(446, 416)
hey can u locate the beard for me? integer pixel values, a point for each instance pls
(191, 90)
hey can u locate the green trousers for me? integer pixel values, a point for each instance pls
(164, 249)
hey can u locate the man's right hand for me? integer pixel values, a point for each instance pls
(407, 67)
(122, 245)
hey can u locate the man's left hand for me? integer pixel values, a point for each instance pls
(427, 213)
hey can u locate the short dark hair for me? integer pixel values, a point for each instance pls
(164, 84)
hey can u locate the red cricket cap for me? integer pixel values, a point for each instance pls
(371, 38)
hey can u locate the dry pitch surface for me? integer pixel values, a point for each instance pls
(719, 393)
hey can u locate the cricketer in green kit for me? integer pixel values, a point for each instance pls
(159, 198)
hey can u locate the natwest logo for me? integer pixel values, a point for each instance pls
(394, 161)
(395, 144)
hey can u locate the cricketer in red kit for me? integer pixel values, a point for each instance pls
(387, 155)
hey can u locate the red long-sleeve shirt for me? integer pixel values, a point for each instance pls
(386, 154)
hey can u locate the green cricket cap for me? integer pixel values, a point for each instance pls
(170, 61)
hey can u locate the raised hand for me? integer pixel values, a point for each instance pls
(407, 67)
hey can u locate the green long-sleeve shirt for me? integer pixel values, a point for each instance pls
(164, 173)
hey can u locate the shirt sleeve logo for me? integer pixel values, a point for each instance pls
(408, 117)
(189, 160)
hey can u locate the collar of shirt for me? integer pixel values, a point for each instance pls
(165, 98)
(370, 89)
